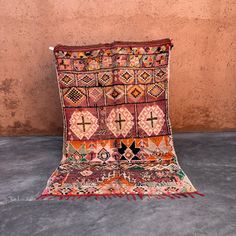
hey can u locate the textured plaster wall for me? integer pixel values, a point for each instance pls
(203, 83)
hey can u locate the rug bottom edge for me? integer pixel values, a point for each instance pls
(129, 196)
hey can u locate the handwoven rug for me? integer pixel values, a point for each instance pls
(117, 138)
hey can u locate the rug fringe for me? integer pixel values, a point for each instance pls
(128, 196)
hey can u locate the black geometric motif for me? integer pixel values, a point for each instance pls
(128, 153)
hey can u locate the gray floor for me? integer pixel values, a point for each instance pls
(208, 159)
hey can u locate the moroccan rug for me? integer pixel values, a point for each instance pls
(117, 138)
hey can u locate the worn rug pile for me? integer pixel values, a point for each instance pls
(117, 138)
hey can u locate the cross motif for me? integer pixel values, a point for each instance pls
(83, 123)
(119, 121)
(151, 119)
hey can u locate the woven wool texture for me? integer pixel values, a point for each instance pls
(117, 136)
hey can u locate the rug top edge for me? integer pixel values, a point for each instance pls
(60, 47)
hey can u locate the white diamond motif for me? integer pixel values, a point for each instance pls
(120, 121)
(83, 124)
(151, 119)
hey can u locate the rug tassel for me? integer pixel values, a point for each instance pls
(177, 196)
(160, 196)
(183, 195)
(191, 195)
(140, 196)
(200, 194)
(40, 197)
(170, 196)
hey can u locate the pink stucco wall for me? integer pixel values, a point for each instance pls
(203, 83)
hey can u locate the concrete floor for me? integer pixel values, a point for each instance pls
(208, 159)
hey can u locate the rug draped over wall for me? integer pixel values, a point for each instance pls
(117, 137)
